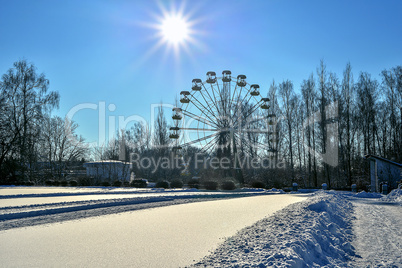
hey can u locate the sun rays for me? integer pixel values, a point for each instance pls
(173, 30)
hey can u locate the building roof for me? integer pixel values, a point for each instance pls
(383, 159)
(106, 162)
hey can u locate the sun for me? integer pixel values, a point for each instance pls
(175, 29)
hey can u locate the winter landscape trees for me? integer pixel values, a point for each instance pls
(29, 137)
(324, 128)
(324, 117)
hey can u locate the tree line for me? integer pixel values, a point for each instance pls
(34, 145)
(324, 128)
(323, 131)
(332, 123)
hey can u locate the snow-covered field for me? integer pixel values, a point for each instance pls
(167, 236)
(330, 229)
(19, 207)
(317, 232)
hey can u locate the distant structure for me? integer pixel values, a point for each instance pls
(108, 170)
(384, 171)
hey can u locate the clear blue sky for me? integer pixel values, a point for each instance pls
(101, 51)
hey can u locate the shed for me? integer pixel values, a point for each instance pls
(384, 171)
(108, 170)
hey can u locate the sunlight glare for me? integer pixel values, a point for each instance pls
(175, 29)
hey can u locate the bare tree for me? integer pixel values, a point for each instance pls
(60, 145)
(347, 115)
(9, 134)
(367, 95)
(161, 139)
(333, 91)
(139, 137)
(275, 111)
(27, 99)
(308, 93)
(392, 86)
(323, 102)
(161, 136)
(288, 101)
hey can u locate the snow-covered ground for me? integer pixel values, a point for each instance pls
(41, 199)
(395, 196)
(24, 191)
(169, 236)
(313, 233)
(329, 229)
(19, 207)
(378, 234)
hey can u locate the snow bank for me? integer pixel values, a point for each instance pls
(307, 191)
(394, 196)
(313, 233)
(364, 194)
(273, 190)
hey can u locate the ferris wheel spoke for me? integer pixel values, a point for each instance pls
(217, 85)
(227, 84)
(221, 103)
(215, 91)
(238, 97)
(240, 104)
(252, 110)
(200, 139)
(212, 99)
(224, 99)
(239, 112)
(207, 103)
(234, 93)
(228, 101)
(258, 102)
(242, 143)
(206, 109)
(219, 91)
(245, 96)
(199, 119)
(249, 135)
(211, 144)
(219, 108)
(255, 107)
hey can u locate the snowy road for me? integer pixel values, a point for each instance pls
(378, 230)
(49, 199)
(169, 236)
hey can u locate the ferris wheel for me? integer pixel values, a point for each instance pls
(223, 116)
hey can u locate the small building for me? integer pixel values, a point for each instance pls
(384, 171)
(108, 170)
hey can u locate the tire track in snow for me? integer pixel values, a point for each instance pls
(15, 217)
